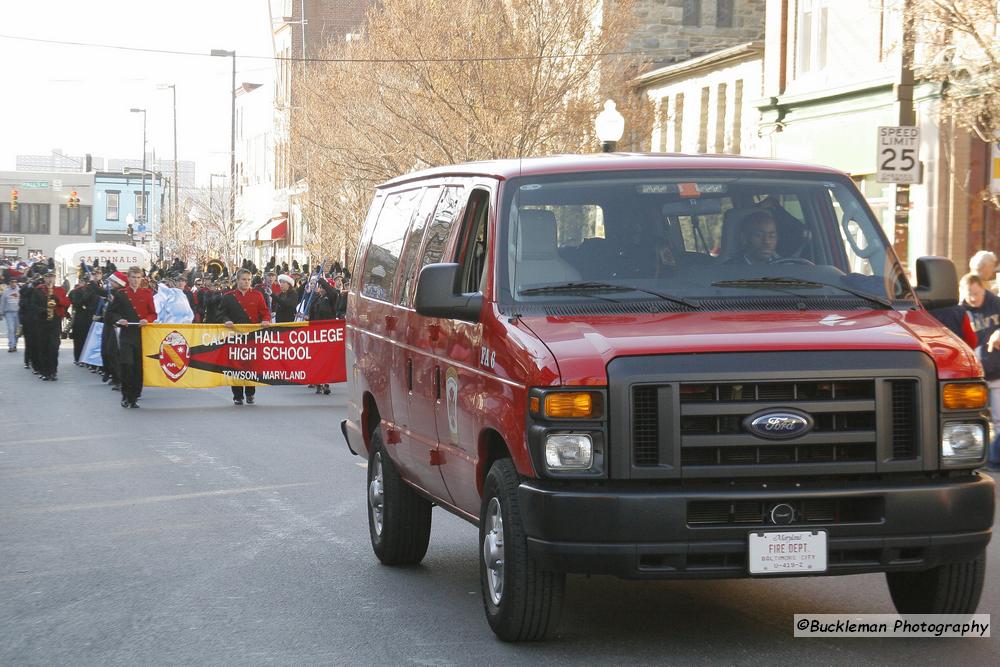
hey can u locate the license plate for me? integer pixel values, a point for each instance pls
(787, 552)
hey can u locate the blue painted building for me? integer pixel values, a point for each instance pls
(118, 201)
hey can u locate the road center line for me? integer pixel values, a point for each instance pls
(129, 502)
(77, 468)
(68, 438)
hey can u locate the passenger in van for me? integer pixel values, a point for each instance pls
(758, 240)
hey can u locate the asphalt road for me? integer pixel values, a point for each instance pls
(194, 532)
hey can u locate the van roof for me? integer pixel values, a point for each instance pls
(535, 166)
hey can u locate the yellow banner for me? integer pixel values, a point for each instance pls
(192, 356)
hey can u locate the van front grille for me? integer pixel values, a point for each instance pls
(712, 427)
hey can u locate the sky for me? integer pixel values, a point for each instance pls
(77, 99)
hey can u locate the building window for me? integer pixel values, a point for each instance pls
(737, 117)
(27, 219)
(720, 118)
(703, 123)
(664, 123)
(724, 14)
(811, 49)
(112, 212)
(140, 207)
(74, 221)
(678, 122)
(692, 12)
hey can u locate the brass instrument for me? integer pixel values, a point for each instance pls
(216, 268)
(50, 306)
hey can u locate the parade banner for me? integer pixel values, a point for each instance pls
(211, 355)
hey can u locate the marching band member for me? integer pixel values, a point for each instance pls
(244, 306)
(132, 308)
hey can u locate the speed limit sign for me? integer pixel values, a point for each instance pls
(898, 155)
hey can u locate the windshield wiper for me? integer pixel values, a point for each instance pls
(593, 286)
(782, 282)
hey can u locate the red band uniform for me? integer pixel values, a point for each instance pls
(244, 308)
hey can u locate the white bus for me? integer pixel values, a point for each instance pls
(67, 258)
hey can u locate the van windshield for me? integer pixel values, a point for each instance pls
(684, 237)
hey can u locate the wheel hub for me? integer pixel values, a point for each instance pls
(376, 494)
(493, 552)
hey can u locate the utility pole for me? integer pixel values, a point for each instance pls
(907, 117)
(232, 137)
(145, 202)
(173, 216)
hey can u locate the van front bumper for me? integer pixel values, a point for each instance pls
(649, 531)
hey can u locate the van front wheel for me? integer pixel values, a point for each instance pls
(946, 589)
(522, 601)
(399, 520)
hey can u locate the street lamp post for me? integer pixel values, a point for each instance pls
(159, 178)
(173, 214)
(145, 203)
(222, 53)
(610, 126)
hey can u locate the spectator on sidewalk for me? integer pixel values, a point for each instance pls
(984, 265)
(983, 307)
(10, 300)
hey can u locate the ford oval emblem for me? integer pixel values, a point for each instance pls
(778, 424)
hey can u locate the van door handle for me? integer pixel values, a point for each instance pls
(409, 374)
(437, 383)
(390, 322)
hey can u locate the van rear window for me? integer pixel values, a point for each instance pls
(387, 242)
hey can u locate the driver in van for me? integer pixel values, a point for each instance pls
(758, 240)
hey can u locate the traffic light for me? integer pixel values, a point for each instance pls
(13, 200)
(74, 201)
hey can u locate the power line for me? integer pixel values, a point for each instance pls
(173, 52)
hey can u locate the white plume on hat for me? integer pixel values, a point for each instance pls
(285, 278)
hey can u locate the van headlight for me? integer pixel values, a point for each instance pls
(569, 451)
(962, 443)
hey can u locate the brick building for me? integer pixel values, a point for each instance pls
(670, 31)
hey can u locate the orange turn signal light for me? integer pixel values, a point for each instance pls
(570, 405)
(966, 396)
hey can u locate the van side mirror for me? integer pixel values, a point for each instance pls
(937, 282)
(437, 295)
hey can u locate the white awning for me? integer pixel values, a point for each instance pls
(248, 230)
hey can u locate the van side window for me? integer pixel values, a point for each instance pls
(444, 216)
(407, 276)
(473, 249)
(386, 244)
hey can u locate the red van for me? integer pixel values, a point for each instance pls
(662, 367)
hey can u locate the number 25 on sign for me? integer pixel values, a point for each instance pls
(898, 155)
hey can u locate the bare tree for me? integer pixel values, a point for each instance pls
(435, 82)
(203, 231)
(960, 41)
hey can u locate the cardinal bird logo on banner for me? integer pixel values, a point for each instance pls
(174, 357)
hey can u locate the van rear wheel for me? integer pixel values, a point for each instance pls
(523, 602)
(946, 589)
(399, 520)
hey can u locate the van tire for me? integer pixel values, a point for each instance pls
(530, 600)
(946, 589)
(405, 529)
